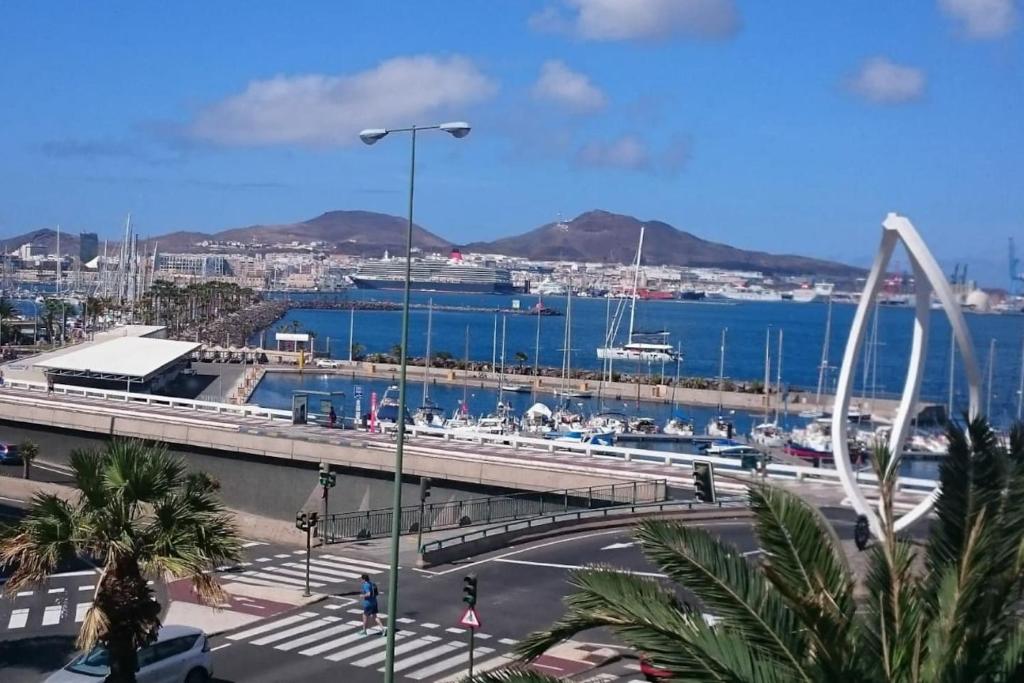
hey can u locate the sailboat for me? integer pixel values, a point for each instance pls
(429, 413)
(639, 346)
(720, 426)
(768, 433)
(566, 391)
(822, 367)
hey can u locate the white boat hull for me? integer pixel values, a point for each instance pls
(648, 355)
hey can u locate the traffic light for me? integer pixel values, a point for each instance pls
(424, 488)
(327, 478)
(469, 590)
(301, 521)
(703, 481)
(862, 532)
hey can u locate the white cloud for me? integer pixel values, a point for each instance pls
(319, 109)
(881, 81)
(633, 153)
(982, 19)
(571, 89)
(640, 19)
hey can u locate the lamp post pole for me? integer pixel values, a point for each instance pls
(458, 129)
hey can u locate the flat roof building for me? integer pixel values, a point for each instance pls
(137, 364)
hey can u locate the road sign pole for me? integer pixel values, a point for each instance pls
(309, 544)
(419, 529)
(472, 640)
(323, 537)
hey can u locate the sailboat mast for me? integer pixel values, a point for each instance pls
(501, 375)
(679, 360)
(778, 378)
(824, 354)
(636, 283)
(536, 344)
(952, 375)
(767, 369)
(426, 361)
(991, 363)
(1020, 387)
(465, 375)
(721, 368)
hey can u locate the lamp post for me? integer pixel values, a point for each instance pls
(458, 129)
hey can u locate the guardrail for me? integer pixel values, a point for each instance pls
(725, 465)
(244, 410)
(489, 509)
(554, 518)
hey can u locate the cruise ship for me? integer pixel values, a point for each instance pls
(434, 275)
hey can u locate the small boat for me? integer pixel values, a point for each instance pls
(679, 426)
(720, 427)
(767, 434)
(537, 419)
(591, 436)
(643, 425)
(734, 451)
(516, 388)
(617, 423)
(429, 415)
(573, 393)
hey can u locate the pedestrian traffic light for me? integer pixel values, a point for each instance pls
(424, 488)
(862, 532)
(301, 522)
(469, 590)
(703, 481)
(327, 478)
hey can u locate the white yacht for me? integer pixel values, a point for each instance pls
(678, 426)
(639, 346)
(720, 428)
(768, 434)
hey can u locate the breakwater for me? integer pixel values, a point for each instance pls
(380, 305)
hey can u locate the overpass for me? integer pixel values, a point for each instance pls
(504, 461)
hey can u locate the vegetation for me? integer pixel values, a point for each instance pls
(180, 308)
(521, 358)
(358, 351)
(139, 514)
(7, 311)
(28, 450)
(944, 612)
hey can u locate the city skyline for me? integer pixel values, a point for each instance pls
(729, 120)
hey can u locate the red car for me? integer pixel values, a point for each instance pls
(653, 673)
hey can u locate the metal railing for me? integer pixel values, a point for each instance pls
(460, 513)
(535, 522)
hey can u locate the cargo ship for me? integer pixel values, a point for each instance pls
(434, 275)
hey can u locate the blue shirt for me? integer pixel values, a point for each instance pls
(367, 590)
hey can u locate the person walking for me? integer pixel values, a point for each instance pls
(332, 417)
(370, 609)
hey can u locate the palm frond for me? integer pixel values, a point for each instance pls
(730, 588)
(890, 632)
(805, 561)
(514, 676)
(44, 538)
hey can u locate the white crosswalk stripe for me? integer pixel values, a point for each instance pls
(446, 664)
(19, 618)
(80, 610)
(52, 614)
(289, 571)
(432, 656)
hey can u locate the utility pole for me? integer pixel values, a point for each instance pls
(307, 522)
(327, 481)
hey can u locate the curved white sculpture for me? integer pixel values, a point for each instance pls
(928, 277)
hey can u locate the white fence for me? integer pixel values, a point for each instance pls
(513, 442)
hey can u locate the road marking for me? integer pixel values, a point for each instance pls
(482, 636)
(80, 610)
(342, 567)
(429, 625)
(405, 620)
(555, 565)
(294, 631)
(508, 641)
(336, 643)
(407, 646)
(332, 606)
(375, 641)
(324, 571)
(274, 578)
(54, 590)
(295, 552)
(426, 656)
(24, 594)
(220, 647)
(252, 544)
(284, 555)
(619, 546)
(263, 559)
(320, 635)
(51, 615)
(455, 630)
(357, 562)
(482, 667)
(301, 573)
(248, 580)
(446, 664)
(84, 572)
(87, 587)
(287, 621)
(19, 618)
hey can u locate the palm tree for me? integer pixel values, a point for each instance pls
(28, 450)
(947, 612)
(7, 310)
(139, 515)
(521, 358)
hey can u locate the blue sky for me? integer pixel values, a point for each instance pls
(781, 126)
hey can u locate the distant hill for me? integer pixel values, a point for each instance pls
(350, 232)
(44, 238)
(610, 237)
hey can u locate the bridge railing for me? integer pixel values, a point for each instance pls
(489, 509)
(244, 410)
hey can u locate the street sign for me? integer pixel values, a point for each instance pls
(470, 619)
(357, 391)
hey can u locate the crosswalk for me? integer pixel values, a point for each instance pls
(288, 570)
(423, 651)
(32, 610)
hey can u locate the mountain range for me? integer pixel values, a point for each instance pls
(594, 236)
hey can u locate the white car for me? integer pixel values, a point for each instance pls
(327, 363)
(181, 654)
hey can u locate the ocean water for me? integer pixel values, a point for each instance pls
(697, 328)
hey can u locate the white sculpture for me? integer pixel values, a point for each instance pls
(927, 277)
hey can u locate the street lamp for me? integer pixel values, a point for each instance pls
(458, 129)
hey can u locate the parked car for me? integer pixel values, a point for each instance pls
(652, 673)
(327, 363)
(9, 454)
(181, 654)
